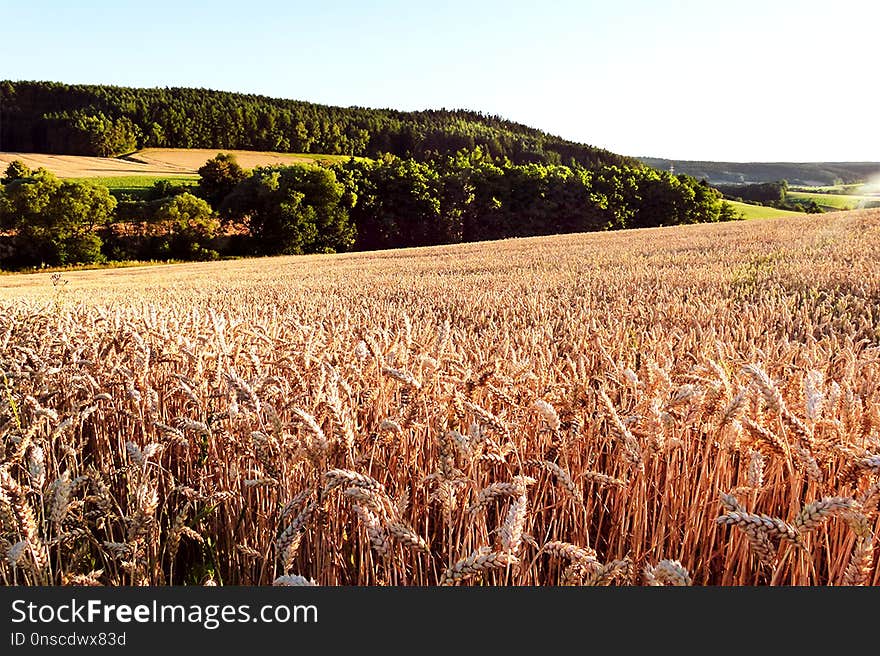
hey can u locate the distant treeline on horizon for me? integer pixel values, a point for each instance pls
(795, 173)
(102, 120)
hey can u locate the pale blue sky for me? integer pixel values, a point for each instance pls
(746, 80)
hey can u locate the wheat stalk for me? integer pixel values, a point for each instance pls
(813, 515)
(479, 562)
(667, 572)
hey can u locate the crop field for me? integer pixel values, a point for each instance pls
(674, 406)
(155, 163)
(138, 186)
(130, 182)
(190, 159)
(836, 201)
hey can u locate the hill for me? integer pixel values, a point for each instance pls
(797, 173)
(50, 117)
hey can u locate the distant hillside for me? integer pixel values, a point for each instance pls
(797, 173)
(49, 117)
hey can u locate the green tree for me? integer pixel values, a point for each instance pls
(189, 224)
(15, 171)
(165, 188)
(729, 213)
(54, 222)
(218, 177)
(293, 210)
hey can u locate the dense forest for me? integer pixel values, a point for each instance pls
(358, 204)
(49, 117)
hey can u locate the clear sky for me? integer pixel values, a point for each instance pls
(751, 80)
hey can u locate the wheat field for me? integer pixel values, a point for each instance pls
(168, 163)
(689, 405)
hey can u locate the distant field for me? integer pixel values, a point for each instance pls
(75, 166)
(124, 183)
(869, 188)
(155, 163)
(834, 201)
(829, 189)
(760, 212)
(188, 160)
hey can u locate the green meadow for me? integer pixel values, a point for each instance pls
(760, 212)
(835, 201)
(137, 185)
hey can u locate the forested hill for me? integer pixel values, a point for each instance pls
(51, 117)
(796, 173)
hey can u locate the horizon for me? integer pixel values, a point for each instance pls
(662, 67)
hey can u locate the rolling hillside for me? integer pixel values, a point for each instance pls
(50, 117)
(797, 173)
(750, 211)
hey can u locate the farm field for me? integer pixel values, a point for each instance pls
(846, 189)
(138, 185)
(685, 405)
(835, 201)
(156, 163)
(871, 187)
(750, 211)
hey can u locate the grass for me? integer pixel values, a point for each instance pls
(673, 406)
(138, 181)
(848, 189)
(761, 212)
(834, 201)
(137, 186)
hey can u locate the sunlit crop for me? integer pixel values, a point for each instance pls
(691, 405)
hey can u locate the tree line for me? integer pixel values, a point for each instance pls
(770, 194)
(796, 173)
(357, 204)
(760, 192)
(49, 117)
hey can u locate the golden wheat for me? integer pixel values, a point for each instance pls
(561, 410)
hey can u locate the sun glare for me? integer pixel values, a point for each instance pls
(872, 186)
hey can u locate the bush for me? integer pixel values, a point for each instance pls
(218, 178)
(15, 171)
(54, 222)
(190, 224)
